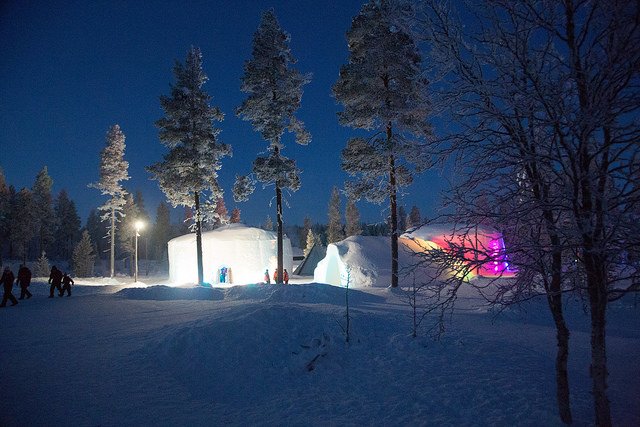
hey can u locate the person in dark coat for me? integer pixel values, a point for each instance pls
(24, 280)
(7, 283)
(55, 279)
(66, 284)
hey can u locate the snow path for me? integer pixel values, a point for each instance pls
(267, 355)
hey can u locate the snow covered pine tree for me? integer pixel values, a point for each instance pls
(382, 90)
(113, 170)
(334, 227)
(275, 93)
(43, 202)
(189, 172)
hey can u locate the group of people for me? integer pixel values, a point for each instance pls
(57, 279)
(285, 277)
(60, 281)
(23, 280)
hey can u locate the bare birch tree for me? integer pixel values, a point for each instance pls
(546, 95)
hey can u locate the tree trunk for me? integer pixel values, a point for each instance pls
(394, 211)
(554, 298)
(113, 243)
(280, 268)
(199, 240)
(596, 284)
(562, 375)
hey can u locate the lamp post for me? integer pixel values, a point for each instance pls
(138, 225)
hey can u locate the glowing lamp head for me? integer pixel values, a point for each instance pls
(139, 225)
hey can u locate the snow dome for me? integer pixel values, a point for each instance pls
(368, 258)
(233, 253)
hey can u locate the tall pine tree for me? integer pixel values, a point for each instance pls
(161, 231)
(274, 91)
(352, 219)
(306, 226)
(43, 205)
(22, 220)
(127, 235)
(414, 219)
(402, 219)
(310, 241)
(188, 175)
(113, 170)
(5, 211)
(382, 90)
(235, 216)
(84, 256)
(10, 216)
(334, 227)
(98, 233)
(67, 232)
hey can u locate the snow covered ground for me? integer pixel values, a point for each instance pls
(114, 354)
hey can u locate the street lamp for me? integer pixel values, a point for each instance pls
(139, 225)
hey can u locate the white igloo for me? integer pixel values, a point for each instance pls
(242, 253)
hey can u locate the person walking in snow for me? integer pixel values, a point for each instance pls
(7, 283)
(66, 284)
(275, 276)
(267, 280)
(285, 277)
(24, 280)
(55, 279)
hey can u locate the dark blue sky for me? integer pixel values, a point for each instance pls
(71, 69)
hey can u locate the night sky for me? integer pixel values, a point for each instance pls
(71, 69)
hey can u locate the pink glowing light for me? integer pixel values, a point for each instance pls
(482, 248)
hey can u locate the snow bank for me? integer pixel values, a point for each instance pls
(276, 355)
(317, 293)
(168, 293)
(245, 252)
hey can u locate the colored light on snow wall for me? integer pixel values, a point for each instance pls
(483, 251)
(497, 264)
(490, 259)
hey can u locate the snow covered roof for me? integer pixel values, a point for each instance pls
(230, 232)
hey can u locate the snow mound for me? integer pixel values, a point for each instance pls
(364, 261)
(268, 346)
(319, 293)
(313, 293)
(168, 293)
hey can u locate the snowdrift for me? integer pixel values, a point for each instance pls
(232, 253)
